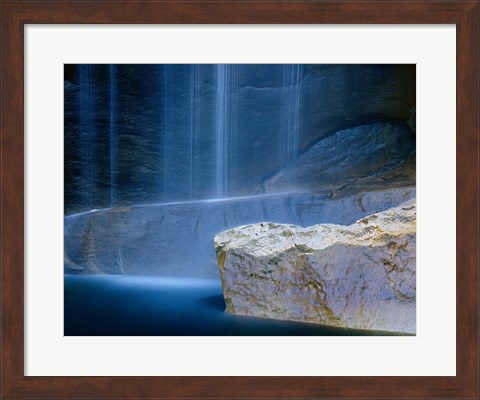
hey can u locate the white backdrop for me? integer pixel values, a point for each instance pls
(431, 352)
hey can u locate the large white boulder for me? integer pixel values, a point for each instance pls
(359, 276)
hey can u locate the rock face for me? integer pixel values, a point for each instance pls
(359, 276)
(361, 158)
(176, 239)
(145, 133)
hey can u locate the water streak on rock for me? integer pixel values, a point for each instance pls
(290, 111)
(168, 129)
(113, 136)
(221, 107)
(87, 132)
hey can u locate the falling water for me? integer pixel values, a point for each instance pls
(290, 115)
(87, 132)
(113, 135)
(290, 111)
(233, 91)
(192, 129)
(168, 127)
(194, 138)
(221, 167)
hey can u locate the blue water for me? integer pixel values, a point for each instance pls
(156, 306)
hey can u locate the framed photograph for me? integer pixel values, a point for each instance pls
(219, 199)
(226, 187)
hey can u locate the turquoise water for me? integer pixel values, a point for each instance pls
(158, 306)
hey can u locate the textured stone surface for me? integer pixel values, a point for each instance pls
(365, 157)
(358, 276)
(166, 152)
(177, 239)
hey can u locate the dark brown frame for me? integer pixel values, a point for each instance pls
(15, 14)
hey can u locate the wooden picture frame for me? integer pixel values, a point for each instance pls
(15, 15)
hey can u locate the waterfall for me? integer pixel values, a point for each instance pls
(234, 76)
(168, 127)
(194, 134)
(290, 114)
(297, 77)
(290, 111)
(87, 133)
(221, 108)
(196, 140)
(113, 135)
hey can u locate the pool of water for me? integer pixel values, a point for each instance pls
(158, 306)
